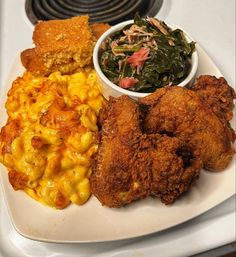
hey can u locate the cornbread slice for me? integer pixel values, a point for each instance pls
(61, 45)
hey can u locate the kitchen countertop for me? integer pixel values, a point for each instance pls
(212, 24)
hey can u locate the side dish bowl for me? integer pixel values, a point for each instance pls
(110, 89)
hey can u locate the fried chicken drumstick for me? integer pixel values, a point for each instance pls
(180, 112)
(131, 165)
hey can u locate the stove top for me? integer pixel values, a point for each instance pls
(111, 11)
(210, 230)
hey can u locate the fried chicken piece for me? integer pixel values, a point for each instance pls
(172, 165)
(61, 45)
(131, 165)
(112, 181)
(179, 112)
(217, 93)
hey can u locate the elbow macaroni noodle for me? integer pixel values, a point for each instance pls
(50, 136)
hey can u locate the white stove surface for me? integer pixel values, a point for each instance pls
(212, 24)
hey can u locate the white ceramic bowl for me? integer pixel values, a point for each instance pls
(111, 89)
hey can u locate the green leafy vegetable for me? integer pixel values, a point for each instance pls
(149, 52)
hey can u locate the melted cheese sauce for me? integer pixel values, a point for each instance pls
(50, 136)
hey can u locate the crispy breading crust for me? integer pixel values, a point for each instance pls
(217, 93)
(182, 113)
(112, 179)
(131, 165)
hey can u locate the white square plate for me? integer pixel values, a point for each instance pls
(93, 222)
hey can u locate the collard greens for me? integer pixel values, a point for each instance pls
(146, 55)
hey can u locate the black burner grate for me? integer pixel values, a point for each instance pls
(111, 11)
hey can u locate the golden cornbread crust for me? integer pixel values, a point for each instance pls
(61, 45)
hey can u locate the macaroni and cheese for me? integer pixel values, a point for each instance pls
(51, 134)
